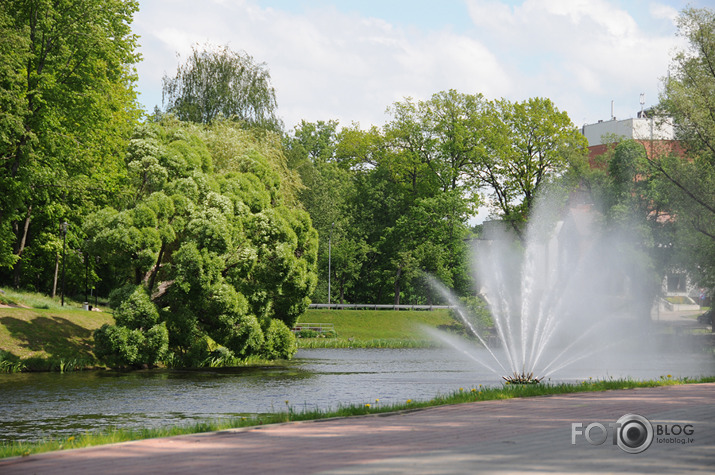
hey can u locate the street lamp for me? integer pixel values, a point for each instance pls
(330, 245)
(64, 227)
(96, 297)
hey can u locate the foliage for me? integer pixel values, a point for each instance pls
(227, 263)
(280, 342)
(119, 346)
(688, 186)
(217, 82)
(391, 205)
(527, 145)
(68, 106)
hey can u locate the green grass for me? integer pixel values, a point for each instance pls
(377, 328)
(459, 396)
(36, 300)
(312, 343)
(46, 336)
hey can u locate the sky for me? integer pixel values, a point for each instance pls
(351, 60)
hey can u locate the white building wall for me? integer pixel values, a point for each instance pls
(636, 128)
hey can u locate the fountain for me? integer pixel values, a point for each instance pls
(569, 292)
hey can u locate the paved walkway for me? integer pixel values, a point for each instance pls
(515, 436)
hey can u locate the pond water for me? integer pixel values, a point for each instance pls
(42, 405)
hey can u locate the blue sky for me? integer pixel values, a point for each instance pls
(350, 60)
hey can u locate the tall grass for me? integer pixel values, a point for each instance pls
(37, 300)
(312, 343)
(460, 396)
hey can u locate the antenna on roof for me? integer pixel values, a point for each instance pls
(613, 117)
(642, 103)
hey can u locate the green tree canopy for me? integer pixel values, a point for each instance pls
(218, 82)
(689, 184)
(68, 107)
(527, 145)
(227, 262)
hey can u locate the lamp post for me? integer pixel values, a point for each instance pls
(330, 245)
(64, 227)
(85, 259)
(96, 297)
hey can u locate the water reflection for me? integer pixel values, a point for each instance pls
(37, 405)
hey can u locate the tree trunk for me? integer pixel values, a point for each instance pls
(155, 270)
(21, 246)
(397, 285)
(57, 270)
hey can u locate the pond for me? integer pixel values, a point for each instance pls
(43, 405)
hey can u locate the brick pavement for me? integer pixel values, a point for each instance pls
(530, 435)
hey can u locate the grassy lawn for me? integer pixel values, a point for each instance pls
(45, 335)
(372, 328)
(28, 333)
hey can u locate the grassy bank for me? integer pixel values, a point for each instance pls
(377, 328)
(38, 334)
(461, 395)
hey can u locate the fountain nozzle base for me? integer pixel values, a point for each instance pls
(522, 378)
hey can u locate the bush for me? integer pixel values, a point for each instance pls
(307, 334)
(279, 343)
(119, 346)
(137, 311)
(119, 295)
(113, 347)
(155, 346)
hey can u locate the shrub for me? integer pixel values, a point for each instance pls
(307, 334)
(137, 311)
(113, 346)
(119, 295)
(279, 343)
(119, 346)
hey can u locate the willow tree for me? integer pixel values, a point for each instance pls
(219, 82)
(210, 241)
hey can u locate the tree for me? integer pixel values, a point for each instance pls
(68, 107)
(689, 183)
(228, 265)
(443, 134)
(314, 150)
(218, 82)
(527, 145)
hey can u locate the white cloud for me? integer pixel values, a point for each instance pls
(593, 47)
(331, 64)
(663, 12)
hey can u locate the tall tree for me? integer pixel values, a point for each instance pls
(218, 82)
(527, 144)
(216, 250)
(68, 108)
(689, 184)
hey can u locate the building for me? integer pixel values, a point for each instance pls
(657, 137)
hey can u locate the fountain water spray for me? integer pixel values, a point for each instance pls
(562, 295)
